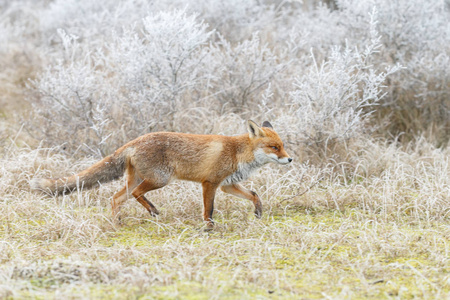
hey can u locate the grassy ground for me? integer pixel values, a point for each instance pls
(384, 236)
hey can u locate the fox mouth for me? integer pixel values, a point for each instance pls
(272, 157)
(284, 160)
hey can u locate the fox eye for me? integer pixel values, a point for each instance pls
(274, 148)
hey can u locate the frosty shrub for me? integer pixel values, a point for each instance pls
(73, 106)
(92, 21)
(104, 98)
(237, 20)
(19, 59)
(419, 39)
(247, 68)
(163, 67)
(415, 34)
(333, 99)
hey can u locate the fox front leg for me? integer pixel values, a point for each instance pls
(209, 193)
(241, 192)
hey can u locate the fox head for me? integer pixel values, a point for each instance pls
(267, 145)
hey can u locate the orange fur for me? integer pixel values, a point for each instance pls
(153, 160)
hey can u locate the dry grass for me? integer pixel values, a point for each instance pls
(380, 232)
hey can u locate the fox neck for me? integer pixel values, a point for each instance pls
(245, 169)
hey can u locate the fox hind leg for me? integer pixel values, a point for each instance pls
(121, 196)
(144, 187)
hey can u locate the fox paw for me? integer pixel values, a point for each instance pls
(154, 212)
(258, 212)
(209, 226)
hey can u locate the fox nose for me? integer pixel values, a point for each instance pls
(289, 159)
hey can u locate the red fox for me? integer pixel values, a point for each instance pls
(153, 160)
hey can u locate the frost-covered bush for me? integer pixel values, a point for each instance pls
(19, 59)
(419, 100)
(162, 68)
(134, 85)
(415, 34)
(237, 20)
(74, 105)
(246, 69)
(333, 100)
(93, 22)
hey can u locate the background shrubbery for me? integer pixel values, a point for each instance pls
(104, 73)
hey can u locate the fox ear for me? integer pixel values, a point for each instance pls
(254, 130)
(267, 124)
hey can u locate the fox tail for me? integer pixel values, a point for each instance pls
(110, 168)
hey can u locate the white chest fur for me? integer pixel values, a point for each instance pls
(246, 169)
